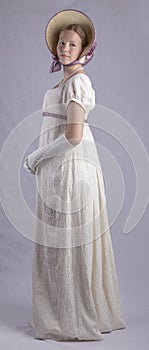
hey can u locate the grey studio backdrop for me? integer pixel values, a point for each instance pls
(119, 72)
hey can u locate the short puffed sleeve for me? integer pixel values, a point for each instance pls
(79, 88)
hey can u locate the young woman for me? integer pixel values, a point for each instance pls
(75, 292)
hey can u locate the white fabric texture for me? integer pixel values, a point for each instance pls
(79, 90)
(59, 145)
(75, 293)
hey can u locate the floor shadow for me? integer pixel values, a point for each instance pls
(16, 317)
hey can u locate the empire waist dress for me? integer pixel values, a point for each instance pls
(75, 292)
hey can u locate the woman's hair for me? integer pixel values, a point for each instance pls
(78, 29)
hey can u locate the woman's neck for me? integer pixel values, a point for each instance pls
(69, 70)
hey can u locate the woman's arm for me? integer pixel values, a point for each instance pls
(65, 142)
(75, 122)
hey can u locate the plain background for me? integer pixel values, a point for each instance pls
(120, 76)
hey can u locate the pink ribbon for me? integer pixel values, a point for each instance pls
(56, 65)
(90, 54)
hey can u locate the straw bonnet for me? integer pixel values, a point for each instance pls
(64, 18)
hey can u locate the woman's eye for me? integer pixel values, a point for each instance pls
(62, 42)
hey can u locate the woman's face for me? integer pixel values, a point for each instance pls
(69, 46)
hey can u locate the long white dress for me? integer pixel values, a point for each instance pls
(75, 293)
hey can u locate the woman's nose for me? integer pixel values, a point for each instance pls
(66, 47)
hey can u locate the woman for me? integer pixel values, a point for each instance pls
(75, 292)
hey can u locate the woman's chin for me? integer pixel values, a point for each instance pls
(65, 60)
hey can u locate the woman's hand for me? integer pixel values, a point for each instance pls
(32, 161)
(28, 168)
(74, 131)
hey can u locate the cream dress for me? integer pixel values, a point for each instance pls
(75, 293)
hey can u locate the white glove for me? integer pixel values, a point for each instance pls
(59, 145)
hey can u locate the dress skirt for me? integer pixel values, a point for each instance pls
(75, 292)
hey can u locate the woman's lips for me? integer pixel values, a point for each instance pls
(64, 56)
